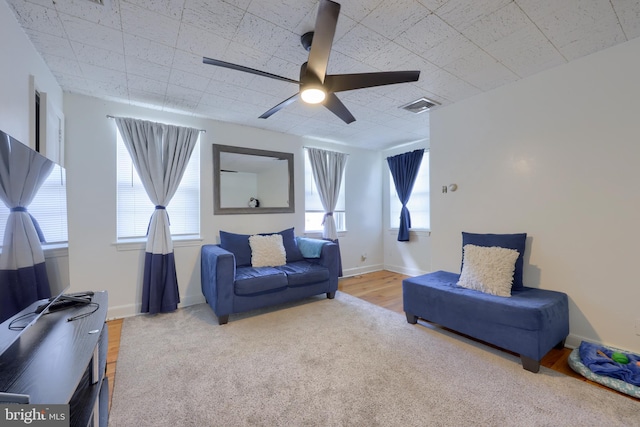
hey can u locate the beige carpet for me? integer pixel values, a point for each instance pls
(341, 362)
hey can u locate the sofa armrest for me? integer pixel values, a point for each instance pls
(330, 258)
(218, 271)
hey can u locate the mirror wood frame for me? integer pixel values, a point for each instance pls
(219, 210)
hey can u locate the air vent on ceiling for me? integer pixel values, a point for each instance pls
(419, 105)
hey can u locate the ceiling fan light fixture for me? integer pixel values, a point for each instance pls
(313, 95)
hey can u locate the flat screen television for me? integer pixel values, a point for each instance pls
(48, 208)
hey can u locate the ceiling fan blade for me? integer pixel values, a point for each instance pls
(280, 106)
(237, 67)
(341, 82)
(337, 107)
(323, 33)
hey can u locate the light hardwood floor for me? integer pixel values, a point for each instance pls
(382, 288)
(115, 330)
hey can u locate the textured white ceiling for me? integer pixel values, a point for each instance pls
(149, 52)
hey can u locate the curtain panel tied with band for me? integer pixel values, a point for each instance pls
(23, 272)
(328, 168)
(160, 154)
(404, 170)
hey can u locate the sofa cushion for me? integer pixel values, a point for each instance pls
(251, 281)
(510, 241)
(302, 273)
(267, 251)
(238, 245)
(488, 269)
(290, 245)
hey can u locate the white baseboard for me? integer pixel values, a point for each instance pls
(349, 272)
(573, 341)
(191, 300)
(406, 271)
(378, 267)
(123, 311)
(130, 310)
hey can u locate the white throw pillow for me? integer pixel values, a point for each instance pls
(488, 269)
(267, 251)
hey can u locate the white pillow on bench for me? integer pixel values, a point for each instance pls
(488, 269)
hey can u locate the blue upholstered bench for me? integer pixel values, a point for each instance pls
(530, 322)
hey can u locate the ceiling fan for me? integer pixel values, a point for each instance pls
(316, 86)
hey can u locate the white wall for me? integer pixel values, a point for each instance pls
(97, 263)
(363, 204)
(554, 155)
(19, 61)
(412, 258)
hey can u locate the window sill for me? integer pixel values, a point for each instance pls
(318, 234)
(140, 243)
(416, 232)
(56, 251)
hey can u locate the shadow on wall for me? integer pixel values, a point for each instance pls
(577, 317)
(532, 273)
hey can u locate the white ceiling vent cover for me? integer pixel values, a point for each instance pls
(419, 105)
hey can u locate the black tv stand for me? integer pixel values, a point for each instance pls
(57, 361)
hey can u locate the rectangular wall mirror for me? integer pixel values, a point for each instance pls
(252, 181)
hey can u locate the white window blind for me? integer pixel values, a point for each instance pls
(418, 205)
(135, 209)
(314, 212)
(49, 208)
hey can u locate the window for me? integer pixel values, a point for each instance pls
(49, 208)
(418, 202)
(314, 212)
(135, 208)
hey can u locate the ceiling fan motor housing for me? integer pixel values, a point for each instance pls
(307, 77)
(306, 40)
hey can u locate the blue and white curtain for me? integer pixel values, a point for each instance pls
(160, 153)
(404, 170)
(23, 273)
(328, 168)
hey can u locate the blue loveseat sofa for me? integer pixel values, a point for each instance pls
(232, 285)
(529, 322)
